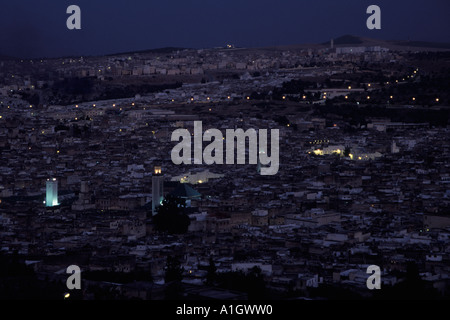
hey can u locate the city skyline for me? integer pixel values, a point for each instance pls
(275, 152)
(34, 30)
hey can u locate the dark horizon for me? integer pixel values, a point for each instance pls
(35, 30)
(433, 44)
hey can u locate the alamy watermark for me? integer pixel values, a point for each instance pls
(74, 20)
(374, 281)
(74, 281)
(235, 139)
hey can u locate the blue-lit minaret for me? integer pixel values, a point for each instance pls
(51, 199)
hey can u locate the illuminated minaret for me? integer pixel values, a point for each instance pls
(51, 199)
(157, 188)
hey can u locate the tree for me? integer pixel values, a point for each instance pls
(173, 270)
(347, 152)
(211, 275)
(256, 284)
(170, 216)
(172, 277)
(252, 282)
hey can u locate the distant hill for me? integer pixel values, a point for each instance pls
(157, 50)
(423, 44)
(400, 45)
(3, 57)
(347, 39)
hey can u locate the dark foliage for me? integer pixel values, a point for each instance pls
(170, 216)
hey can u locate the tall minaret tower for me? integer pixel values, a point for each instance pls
(51, 198)
(157, 188)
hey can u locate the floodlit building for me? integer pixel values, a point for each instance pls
(157, 188)
(51, 199)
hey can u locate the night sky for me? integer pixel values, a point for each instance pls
(30, 28)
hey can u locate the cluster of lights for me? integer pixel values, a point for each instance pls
(319, 141)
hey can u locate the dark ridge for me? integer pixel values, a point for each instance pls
(157, 50)
(3, 58)
(347, 39)
(423, 44)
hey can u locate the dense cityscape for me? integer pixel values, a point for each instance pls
(87, 177)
